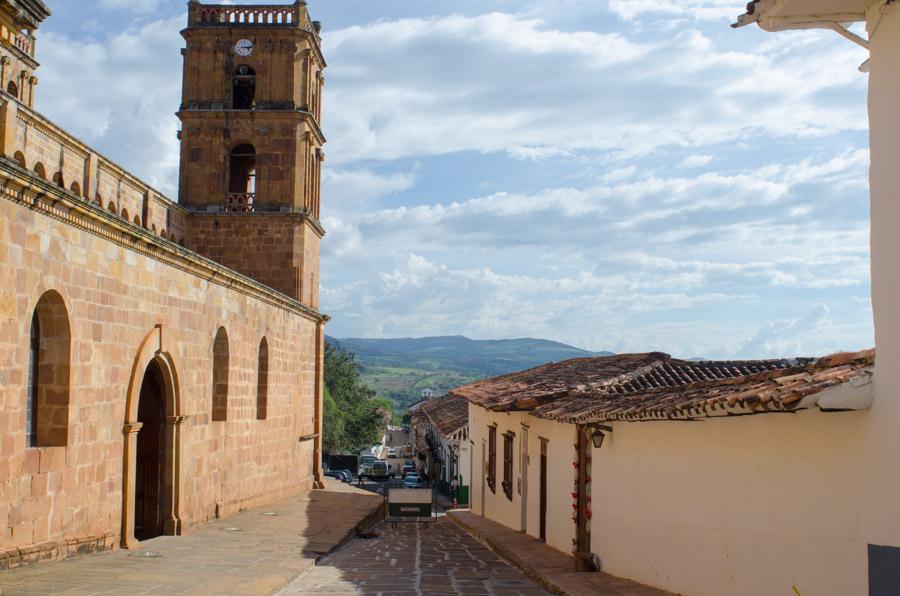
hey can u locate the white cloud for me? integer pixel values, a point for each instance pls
(119, 95)
(696, 9)
(512, 83)
(697, 161)
(342, 185)
(622, 264)
(140, 6)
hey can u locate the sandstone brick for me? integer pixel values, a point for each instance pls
(32, 461)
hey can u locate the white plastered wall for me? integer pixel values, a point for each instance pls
(881, 479)
(560, 474)
(741, 506)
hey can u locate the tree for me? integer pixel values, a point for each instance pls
(353, 418)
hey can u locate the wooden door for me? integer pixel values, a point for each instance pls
(543, 491)
(523, 479)
(483, 473)
(148, 485)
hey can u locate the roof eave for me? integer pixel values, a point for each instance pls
(769, 15)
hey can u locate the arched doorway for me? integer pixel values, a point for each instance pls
(149, 494)
(151, 491)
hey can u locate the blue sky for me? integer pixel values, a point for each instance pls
(621, 175)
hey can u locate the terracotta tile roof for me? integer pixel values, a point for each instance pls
(449, 414)
(419, 427)
(657, 386)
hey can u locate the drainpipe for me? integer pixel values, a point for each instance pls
(319, 393)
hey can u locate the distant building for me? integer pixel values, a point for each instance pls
(440, 435)
(427, 394)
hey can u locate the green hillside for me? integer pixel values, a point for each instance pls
(399, 369)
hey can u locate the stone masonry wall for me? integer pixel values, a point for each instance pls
(55, 500)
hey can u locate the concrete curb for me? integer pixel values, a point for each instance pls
(374, 517)
(509, 557)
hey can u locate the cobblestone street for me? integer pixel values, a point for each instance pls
(254, 552)
(414, 559)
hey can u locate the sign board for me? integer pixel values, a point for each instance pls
(409, 502)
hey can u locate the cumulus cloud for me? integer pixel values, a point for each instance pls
(616, 265)
(695, 9)
(140, 6)
(342, 185)
(119, 94)
(697, 161)
(514, 83)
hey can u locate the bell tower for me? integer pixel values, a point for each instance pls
(251, 142)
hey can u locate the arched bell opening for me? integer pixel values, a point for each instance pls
(243, 89)
(242, 178)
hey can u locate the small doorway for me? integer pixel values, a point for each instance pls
(543, 499)
(150, 461)
(483, 473)
(523, 478)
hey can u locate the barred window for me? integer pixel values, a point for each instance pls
(508, 465)
(492, 459)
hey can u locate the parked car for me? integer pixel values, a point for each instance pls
(379, 471)
(411, 481)
(334, 474)
(392, 452)
(408, 467)
(346, 475)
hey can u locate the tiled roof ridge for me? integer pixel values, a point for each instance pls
(440, 412)
(845, 367)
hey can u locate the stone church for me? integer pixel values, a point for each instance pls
(161, 362)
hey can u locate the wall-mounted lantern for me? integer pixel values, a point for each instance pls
(599, 435)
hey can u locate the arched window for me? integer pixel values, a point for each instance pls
(76, 188)
(243, 91)
(137, 220)
(13, 89)
(220, 376)
(262, 381)
(47, 406)
(125, 214)
(40, 171)
(111, 207)
(58, 179)
(20, 160)
(34, 355)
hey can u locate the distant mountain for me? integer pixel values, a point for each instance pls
(399, 369)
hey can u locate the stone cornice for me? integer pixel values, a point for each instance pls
(303, 216)
(24, 188)
(40, 122)
(215, 29)
(24, 57)
(254, 115)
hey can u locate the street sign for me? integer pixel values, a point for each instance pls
(409, 502)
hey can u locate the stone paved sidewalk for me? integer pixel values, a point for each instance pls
(551, 568)
(253, 552)
(413, 558)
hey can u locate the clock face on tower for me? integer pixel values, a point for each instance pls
(244, 47)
